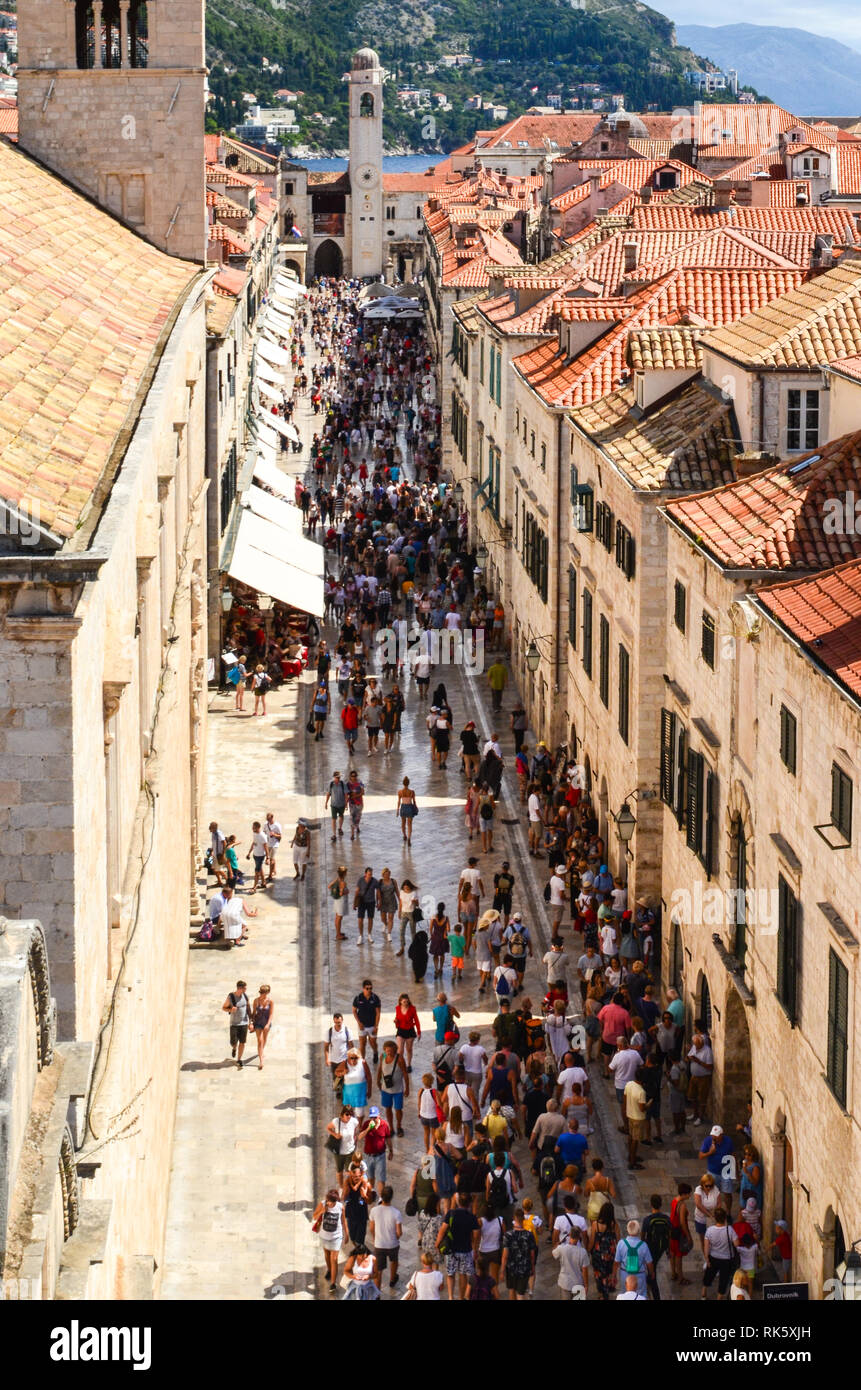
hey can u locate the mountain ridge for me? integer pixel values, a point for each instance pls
(800, 70)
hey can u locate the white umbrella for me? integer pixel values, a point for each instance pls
(271, 352)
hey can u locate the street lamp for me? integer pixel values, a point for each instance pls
(533, 657)
(849, 1274)
(625, 824)
(226, 600)
(264, 602)
(457, 493)
(481, 553)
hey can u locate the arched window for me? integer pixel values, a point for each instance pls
(109, 39)
(706, 1006)
(366, 104)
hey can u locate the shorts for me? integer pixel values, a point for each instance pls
(430, 1124)
(406, 1032)
(366, 910)
(337, 811)
(369, 1032)
(460, 1263)
(392, 1100)
(343, 1161)
(725, 1184)
(238, 1033)
(620, 1094)
(385, 1256)
(457, 962)
(517, 1283)
(636, 1129)
(258, 863)
(607, 1048)
(376, 1166)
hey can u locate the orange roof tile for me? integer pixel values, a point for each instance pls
(775, 519)
(84, 303)
(236, 245)
(8, 120)
(824, 614)
(847, 366)
(815, 324)
(848, 168)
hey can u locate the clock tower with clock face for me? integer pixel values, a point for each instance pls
(366, 164)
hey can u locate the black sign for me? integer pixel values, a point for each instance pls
(786, 1293)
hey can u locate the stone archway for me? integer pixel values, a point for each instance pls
(735, 1080)
(296, 268)
(329, 260)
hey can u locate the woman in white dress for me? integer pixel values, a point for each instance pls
(330, 1224)
(235, 931)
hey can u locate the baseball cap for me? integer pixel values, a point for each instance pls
(716, 1131)
(517, 916)
(450, 1037)
(374, 1112)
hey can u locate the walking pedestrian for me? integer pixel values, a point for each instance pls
(262, 1018)
(407, 810)
(238, 1007)
(337, 798)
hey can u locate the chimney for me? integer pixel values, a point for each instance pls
(630, 253)
(724, 195)
(823, 252)
(646, 193)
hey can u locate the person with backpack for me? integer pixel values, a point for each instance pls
(503, 886)
(633, 1257)
(336, 1047)
(574, 1264)
(504, 981)
(656, 1234)
(500, 1191)
(518, 945)
(337, 797)
(330, 1223)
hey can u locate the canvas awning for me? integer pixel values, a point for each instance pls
(259, 560)
(277, 321)
(269, 473)
(271, 352)
(265, 435)
(270, 392)
(283, 303)
(284, 427)
(292, 287)
(267, 372)
(284, 514)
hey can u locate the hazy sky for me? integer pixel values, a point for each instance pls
(837, 19)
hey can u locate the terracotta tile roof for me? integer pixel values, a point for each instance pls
(848, 158)
(630, 173)
(652, 149)
(665, 349)
(813, 325)
(83, 307)
(8, 120)
(229, 280)
(236, 244)
(775, 519)
(337, 180)
(220, 309)
(563, 202)
(725, 149)
(251, 159)
(466, 312)
(784, 193)
(218, 173)
(847, 366)
(751, 126)
(824, 614)
(715, 296)
(683, 444)
(426, 183)
(837, 221)
(212, 148)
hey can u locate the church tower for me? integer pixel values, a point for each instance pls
(366, 163)
(111, 96)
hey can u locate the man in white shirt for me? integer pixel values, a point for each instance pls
(557, 897)
(492, 745)
(574, 1263)
(452, 620)
(386, 1232)
(533, 807)
(624, 1065)
(701, 1060)
(471, 875)
(632, 1293)
(556, 962)
(568, 1077)
(272, 831)
(336, 1048)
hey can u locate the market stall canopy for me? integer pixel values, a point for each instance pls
(271, 352)
(258, 560)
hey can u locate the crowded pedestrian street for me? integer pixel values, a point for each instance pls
(369, 848)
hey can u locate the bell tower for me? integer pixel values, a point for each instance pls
(366, 163)
(111, 96)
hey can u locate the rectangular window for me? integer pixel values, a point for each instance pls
(802, 420)
(787, 948)
(838, 1026)
(572, 481)
(624, 691)
(584, 507)
(680, 599)
(572, 606)
(604, 661)
(587, 633)
(707, 646)
(695, 806)
(707, 852)
(841, 801)
(481, 362)
(499, 376)
(532, 443)
(492, 373)
(668, 752)
(681, 789)
(788, 736)
(390, 213)
(624, 550)
(544, 457)
(604, 525)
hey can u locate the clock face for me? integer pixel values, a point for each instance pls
(366, 176)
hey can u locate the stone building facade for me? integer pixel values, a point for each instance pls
(110, 97)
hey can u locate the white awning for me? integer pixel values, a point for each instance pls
(284, 514)
(281, 323)
(265, 435)
(282, 426)
(258, 560)
(271, 352)
(292, 287)
(269, 373)
(271, 475)
(276, 577)
(270, 392)
(283, 303)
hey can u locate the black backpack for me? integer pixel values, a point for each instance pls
(499, 1196)
(658, 1235)
(547, 1172)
